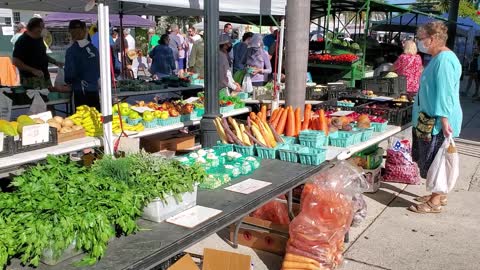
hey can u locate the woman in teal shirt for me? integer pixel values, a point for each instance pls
(438, 97)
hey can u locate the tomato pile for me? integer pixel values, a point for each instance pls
(333, 59)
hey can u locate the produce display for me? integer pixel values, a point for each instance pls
(55, 204)
(90, 119)
(342, 59)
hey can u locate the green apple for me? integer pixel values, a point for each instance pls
(124, 105)
(115, 108)
(165, 115)
(134, 115)
(157, 114)
(124, 111)
(148, 116)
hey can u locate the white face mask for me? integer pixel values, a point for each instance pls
(422, 48)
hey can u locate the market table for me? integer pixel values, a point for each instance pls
(157, 242)
(158, 91)
(269, 101)
(65, 101)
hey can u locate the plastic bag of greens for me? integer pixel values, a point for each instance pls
(327, 211)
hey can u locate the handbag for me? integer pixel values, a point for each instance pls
(425, 125)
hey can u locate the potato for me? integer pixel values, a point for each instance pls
(75, 127)
(66, 130)
(58, 119)
(55, 125)
(67, 123)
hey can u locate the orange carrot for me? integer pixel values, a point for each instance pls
(298, 121)
(290, 128)
(277, 119)
(274, 115)
(259, 116)
(263, 110)
(307, 116)
(323, 122)
(253, 116)
(282, 120)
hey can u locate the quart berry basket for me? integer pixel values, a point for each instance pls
(289, 140)
(312, 138)
(227, 109)
(266, 153)
(342, 139)
(169, 121)
(151, 124)
(289, 152)
(189, 117)
(244, 150)
(221, 148)
(312, 156)
(133, 122)
(379, 127)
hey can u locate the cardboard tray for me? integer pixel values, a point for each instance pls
(65, 137)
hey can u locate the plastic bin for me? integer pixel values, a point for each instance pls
(52, 141)
(8, 147)
(158, 210)
(289, 152)
(312, 156)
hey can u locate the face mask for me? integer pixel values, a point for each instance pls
(421, 47)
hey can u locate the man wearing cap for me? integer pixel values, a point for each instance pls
(82, 67)
(225, 79)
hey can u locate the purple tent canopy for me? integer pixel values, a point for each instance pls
(58, 19)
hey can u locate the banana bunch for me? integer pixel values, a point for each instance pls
(117, 129)
(90, 119)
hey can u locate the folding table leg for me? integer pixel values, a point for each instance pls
(291, 215)
(235, 233)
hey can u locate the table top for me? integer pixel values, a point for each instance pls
(269, 101)
(53, 102)
(157, 91)
(159, 241)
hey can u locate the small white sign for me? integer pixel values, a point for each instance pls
(45, 116)
(35, 134)
(191, 99)
(342, 113)
(248, 186)
(142, 109)
(7, 31)
(193, 216)
(1, 141)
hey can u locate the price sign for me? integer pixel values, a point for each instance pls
(35, 134)
(45, 116)
(1, 141)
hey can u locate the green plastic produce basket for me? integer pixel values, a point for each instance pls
(189, 117)
(266, 153)
(379, 127)
(312, 138)
(312, 156)
(367, 133)
(168, 122)
(227, 109)
(289, 140)
(243, 95)
(289, 152)
(200, 112)
(221, 148)
(244, 150)
(342, 139)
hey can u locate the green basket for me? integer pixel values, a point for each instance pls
(151, 124)
(345, 104)
(289, 152)
(289, 140)
(244, 150)
(243, 95)
(200, 112)
(168, 122)
(311, 138)
(221, 148)
(189, 117)
(367, 133)
(133, 122)
(266, 153)
(312, 156)
(227, 109)
(379, 127)
(342, 139)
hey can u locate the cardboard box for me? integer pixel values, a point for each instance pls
(263, 234)
(221, 260)
(185, 263)
(175, 142)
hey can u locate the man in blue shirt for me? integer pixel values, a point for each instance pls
(82, 67)
(96, 41)
(239, 51)
(163, 61)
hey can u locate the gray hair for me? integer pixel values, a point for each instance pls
(174, 27)
(19, 27)
(126, 31)
(151, 31)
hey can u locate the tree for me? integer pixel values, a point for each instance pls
(466, 8)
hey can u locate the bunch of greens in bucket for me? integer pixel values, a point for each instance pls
(232, 100)
(58, 203)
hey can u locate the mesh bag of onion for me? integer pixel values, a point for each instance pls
(399, 166)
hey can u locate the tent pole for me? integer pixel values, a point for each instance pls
(105, 78)
(208, 130)
(298, 19)
(276, 102)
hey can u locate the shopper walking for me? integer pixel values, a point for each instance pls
(130, 39)
(239, 52)
(226, 83)
(178, 46)
(30, 57)
(437, 114)
(257, 62)
(409, 64)
(82, 67)
(163, 60)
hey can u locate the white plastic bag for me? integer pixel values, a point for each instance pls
(247, 86)
(444, 171)
(38, 104)
(60, 79)
(5, 104)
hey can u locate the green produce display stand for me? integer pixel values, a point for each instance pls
(349, 70)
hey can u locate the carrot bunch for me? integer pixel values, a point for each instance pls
(288, 121)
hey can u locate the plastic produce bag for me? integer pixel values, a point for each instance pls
(5, 104)
(275, 211)
(247, 86)
(60, 79)
(444, 171)
(327, 210)
(360, 210)
(399, 166)
(38, 104)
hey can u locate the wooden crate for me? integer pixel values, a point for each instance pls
(76, 134)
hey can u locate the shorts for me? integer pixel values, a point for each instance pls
(181, 63)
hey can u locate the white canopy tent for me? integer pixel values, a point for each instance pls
(139, 7)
